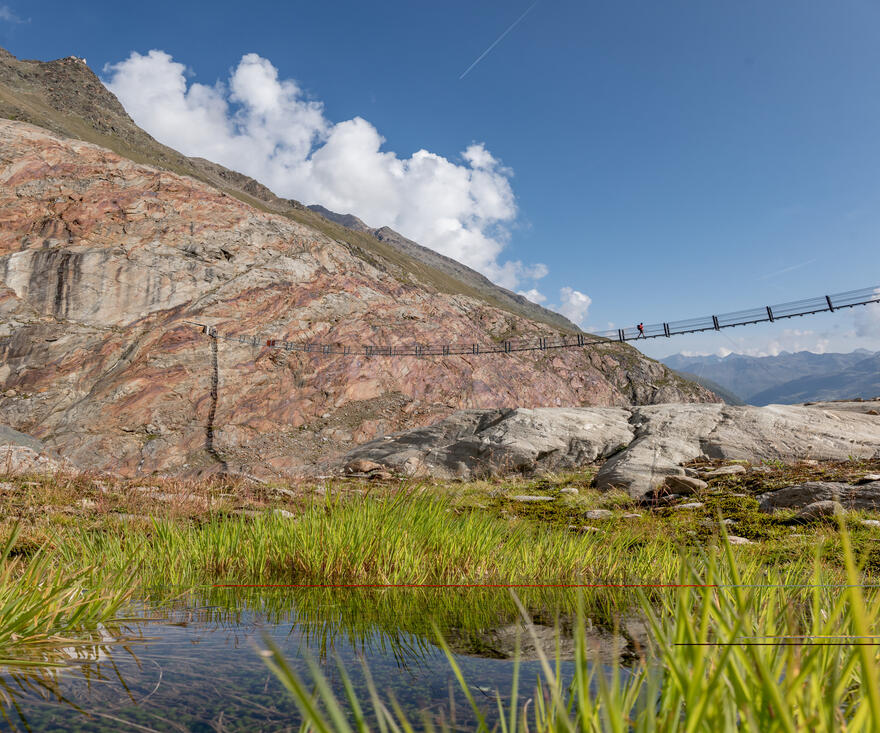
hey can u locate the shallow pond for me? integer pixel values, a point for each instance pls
(194, 662)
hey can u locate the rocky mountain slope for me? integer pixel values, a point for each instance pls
(103, 259)
(861, 379)
(66, 97)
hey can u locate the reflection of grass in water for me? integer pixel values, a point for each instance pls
(402, 621)
(705, 672)
(44, 607)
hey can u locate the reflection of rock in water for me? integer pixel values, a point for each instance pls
(604, 645)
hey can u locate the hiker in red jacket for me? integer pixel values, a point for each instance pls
(641, 328)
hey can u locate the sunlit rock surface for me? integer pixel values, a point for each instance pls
(639, 447)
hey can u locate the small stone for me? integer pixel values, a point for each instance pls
(871, 522)
(690, 505)
(819, 509)
(362, 466)
(527, 498)
(810, 462)
(725, 471)
(734, 540)
(740, 496)
(9, 393)
(631, 515)
(283, 513)
(728, 522)
(868, 478)
(381, 476)
(692, 472)
(87, 503)
(284, 492)
(6, 486)
(685, 484)
(598, 514)
(867, 412)
(570, 490)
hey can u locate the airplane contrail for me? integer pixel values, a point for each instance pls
(788, 269)
(498, 40)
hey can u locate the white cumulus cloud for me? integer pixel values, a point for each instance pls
(574, 305)
(535, 295)
(267, 128)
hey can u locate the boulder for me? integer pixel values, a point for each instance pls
(821, 509)
(734, 540)
(598, 514)
(21, 454)
(684, 484)
(725, 471)
(361, 465)
(864, 496)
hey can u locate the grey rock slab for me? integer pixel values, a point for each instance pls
(670, 435)
(570, 490)
(643, 445)
(819, 509)
(725, 471)
(734, 540)
(8, 436)
(689, 505)
(871, 522)
(528, 498)
(863, 496)
(472, 444)
(685, 484)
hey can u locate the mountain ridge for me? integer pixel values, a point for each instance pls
(787, 377)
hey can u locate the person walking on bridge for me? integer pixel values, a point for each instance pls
(641, 328)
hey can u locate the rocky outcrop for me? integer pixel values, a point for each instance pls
(864, 496)
(21, 454)
(103, 262)
(645, 446)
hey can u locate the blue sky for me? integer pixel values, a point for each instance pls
(666, 160)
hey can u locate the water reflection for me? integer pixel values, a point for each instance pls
(192, 663)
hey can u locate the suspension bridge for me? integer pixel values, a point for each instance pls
(752, 316)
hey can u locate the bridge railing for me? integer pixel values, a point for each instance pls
(763, 314)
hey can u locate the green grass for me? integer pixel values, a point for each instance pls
(409, 538)
(704, 671)
(43, 606)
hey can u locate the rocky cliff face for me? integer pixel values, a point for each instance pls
(102, 260)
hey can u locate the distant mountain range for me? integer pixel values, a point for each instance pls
(786, 378)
